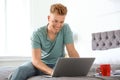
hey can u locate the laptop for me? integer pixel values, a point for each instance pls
(71, 67)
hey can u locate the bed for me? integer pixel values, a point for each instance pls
(5, 72)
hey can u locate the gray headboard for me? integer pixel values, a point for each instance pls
(106, 40)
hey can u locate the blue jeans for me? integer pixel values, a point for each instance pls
(26, 70)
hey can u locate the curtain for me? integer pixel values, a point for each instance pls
(15, 29)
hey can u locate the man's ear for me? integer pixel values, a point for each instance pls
(48, 17)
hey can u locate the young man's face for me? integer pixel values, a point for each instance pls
(56, 22)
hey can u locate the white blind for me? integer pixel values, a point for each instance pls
(15, 29)
(2, 26)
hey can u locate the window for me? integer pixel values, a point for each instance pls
(2, 26)
(15, 29)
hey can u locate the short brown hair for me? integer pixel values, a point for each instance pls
(59, 9)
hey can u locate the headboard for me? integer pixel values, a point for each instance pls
(106, 40)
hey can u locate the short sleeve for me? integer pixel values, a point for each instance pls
(68, 35)
(35, 40)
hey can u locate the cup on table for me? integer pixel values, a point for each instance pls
(105, 69)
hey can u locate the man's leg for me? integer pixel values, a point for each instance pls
(23, 72)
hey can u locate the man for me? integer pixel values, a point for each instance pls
(48, 45)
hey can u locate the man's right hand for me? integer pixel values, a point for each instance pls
(36, 61)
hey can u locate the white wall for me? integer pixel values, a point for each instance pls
(85, 17)
(39, 12)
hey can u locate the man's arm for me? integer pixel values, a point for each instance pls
(72, 51)
(36, 61)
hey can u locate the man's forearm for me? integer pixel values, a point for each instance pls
(43, 67)
(74, 54)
